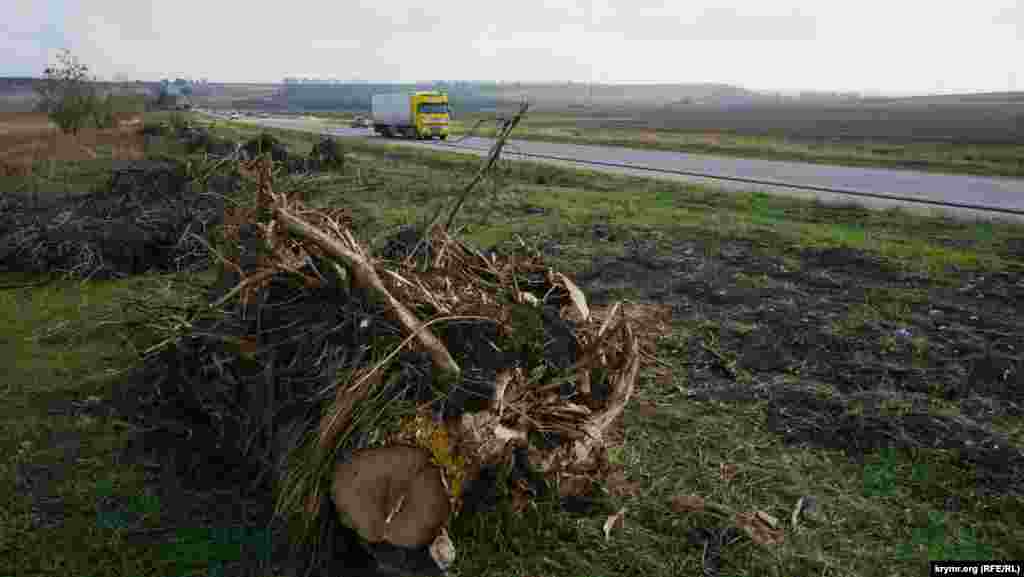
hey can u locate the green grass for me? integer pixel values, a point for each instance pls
(980, 159)
(60, 176)
(61, 355)
(881, 517)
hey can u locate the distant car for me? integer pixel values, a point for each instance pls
(360, 122)
(235, 116)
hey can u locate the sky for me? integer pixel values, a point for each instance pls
(869, 46)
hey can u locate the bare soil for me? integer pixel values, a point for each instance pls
(29, 137)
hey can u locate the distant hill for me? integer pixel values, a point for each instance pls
(19, 94)
(980, 97)
(469, 96)
(579, 95)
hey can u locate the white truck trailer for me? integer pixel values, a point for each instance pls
(420, 115)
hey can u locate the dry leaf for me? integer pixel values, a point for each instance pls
(520, 498)
(528, 298)
(501, 383)
(687, 504)
(475, 425)
(758, 527)
(608, 319)
(583, 381)
(573, 485)
(727, 472)
(620, 486)
(503, 433)
(616, 520)
(577, 297)
(646, 408)
(770, 520)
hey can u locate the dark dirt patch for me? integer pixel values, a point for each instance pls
(1014, 248)
(203, 494)
(805, 418)
(38, 481)
(849, 262)
(843, 317)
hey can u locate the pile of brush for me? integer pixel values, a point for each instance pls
(150, 215)
(376, 394)
(145, 218)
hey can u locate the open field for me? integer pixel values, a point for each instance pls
(35, 155)
(873, 360)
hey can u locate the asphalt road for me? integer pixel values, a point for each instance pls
(771, 176)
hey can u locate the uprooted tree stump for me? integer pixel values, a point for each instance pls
(521, 392)
(375, 393)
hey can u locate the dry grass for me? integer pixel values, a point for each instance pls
(29, 137)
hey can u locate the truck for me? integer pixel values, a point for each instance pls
(420, 115)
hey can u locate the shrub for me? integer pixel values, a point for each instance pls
(67, 93)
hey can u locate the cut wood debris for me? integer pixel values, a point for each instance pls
(727, 472)
(761, 527)
(373, 392)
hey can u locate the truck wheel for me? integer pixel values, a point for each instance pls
(443, 137)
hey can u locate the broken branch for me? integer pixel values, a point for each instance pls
(364, 274)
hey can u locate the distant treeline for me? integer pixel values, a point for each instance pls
(356, 97)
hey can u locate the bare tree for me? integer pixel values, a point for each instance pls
(68, 93)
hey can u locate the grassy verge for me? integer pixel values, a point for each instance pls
(722, 414)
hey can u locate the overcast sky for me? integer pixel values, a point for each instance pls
(890, 46)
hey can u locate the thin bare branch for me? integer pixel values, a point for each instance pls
(492, 157)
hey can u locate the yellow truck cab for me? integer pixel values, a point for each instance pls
(412, 115)
(430, 109)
